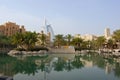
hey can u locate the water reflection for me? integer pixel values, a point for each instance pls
(10, 66)
(59, 65)
(117, 69)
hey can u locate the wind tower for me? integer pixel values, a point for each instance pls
(107, 32)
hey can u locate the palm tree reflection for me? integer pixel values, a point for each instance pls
(68, 65)
(59, 65)
(76, 63)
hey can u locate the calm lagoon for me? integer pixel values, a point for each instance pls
(60, 67)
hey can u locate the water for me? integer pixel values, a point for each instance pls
(60, 67)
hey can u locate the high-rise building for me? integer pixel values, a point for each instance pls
(107, 33)
(10, 28)
(47, 28)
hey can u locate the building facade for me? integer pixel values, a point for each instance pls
(10, 28)
(86, 37)
(107, 33)
(77, 36)
(46, 37)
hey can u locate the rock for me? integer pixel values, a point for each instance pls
(14, 52)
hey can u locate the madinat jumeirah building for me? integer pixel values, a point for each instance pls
(10, 28)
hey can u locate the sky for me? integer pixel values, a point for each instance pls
(65, 16)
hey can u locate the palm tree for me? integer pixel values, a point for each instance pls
(4, 40)
(25, 40)
(17, 39)
(100, 41)
(29, 40)
(77, 42)
(69, 37)
(43, 38)
(59, 40)
(116, 37)
(110, 43)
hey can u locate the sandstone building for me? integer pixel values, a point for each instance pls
(10, 28)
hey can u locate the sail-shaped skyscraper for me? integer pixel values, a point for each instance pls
(47, 28)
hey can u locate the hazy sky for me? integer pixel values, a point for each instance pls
(65, 16)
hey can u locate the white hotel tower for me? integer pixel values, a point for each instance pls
(47, 28)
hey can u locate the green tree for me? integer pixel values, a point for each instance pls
(25, 40)
(59, 40)
(29, 40)
(94, 44)
(116, 35)
(77, 42)
(43, 38)
(100, 41)
(4, 39)
(68, 37)
(110, 43)
(17, 39)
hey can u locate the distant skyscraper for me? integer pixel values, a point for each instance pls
(47, 28)
(107, 32)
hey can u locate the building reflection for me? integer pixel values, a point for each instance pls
(108, 68)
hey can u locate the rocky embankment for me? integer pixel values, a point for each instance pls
(16, 52)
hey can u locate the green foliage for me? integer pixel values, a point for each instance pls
(77, 42)
(68, 37)
(29, 39)
(17, 39)
(116, 35)
(43, 39)
(5, 42)
(59, 40)
(100, 41)
(4, 39)
(25, 40)
(110, 43)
